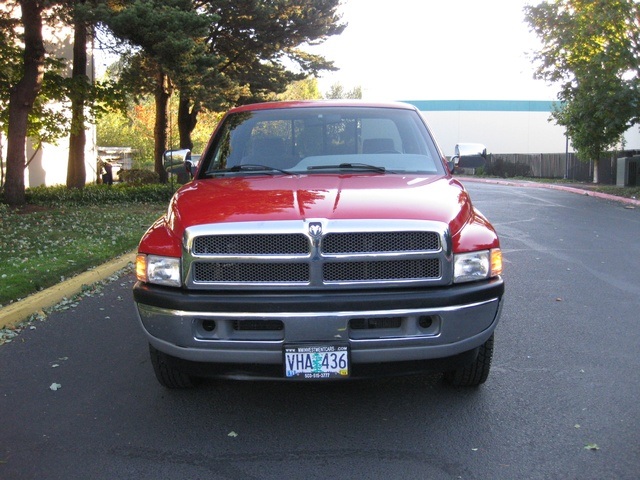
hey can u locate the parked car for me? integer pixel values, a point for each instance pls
(320, 241)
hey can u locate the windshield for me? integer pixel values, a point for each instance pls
(323, 139)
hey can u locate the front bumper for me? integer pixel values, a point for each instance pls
(379, 326)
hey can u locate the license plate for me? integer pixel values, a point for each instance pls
(316, 361)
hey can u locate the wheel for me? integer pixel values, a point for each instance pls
(475, 373)
(167, 375)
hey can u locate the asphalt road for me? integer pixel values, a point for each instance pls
(566, 375)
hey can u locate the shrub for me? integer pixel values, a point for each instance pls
(138, 177)
(60, 196)
(497, 167)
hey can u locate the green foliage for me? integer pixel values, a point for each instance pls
(138, 177)
(591, 48)
(207, 122)
(46, 124)
(597, 114)
(337, 92)
(166, 30)
(306, 89)
(216, 53)
(61, 196)
(133, 129)
(254, 53)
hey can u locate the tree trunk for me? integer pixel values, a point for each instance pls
(187, 120)
(162, 95)
(21, 99)
(596, 163)
(76, 170)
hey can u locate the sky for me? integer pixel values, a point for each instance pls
(435, 50)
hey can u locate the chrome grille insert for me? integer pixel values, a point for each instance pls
(382, 270)
(374, 242)
(250, 272)
(261, 244)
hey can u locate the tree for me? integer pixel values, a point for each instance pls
(46, 121)
(166, 36)
(76, 170)
(592, 49)
(306, 89)
(337, 91)
(87, 97)
(218, 53)
(255, 52)
(21, 99)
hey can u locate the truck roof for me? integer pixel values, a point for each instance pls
(319, 103)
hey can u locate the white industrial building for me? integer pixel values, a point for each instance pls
(504, 126)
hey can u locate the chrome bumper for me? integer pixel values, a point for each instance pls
(410, 334)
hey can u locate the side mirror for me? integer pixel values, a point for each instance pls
(469, 155)
(175, 159)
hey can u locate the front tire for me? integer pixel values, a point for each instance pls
(168, 375)
(476, 373)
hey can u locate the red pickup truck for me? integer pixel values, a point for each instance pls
(320, 241)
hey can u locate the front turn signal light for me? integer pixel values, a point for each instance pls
(496, 262)
(141, 267)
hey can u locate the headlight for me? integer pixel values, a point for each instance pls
(469, 267)
(158, 270)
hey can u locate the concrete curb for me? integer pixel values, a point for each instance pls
(16, 312)
(551, 186)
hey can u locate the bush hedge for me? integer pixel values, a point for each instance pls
(59, 196)
(498, 167)
(139, 177)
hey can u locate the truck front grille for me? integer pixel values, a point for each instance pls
(334, 256)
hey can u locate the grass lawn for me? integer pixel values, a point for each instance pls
(42, 245)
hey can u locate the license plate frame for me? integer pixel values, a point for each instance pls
(316, 361)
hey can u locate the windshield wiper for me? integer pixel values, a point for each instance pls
(249, 167)
(349, 166)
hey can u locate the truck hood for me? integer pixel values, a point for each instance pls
(362, 196)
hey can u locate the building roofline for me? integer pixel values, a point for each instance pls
(484, 105)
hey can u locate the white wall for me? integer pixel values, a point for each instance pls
(49, 166)
(504, 127)
(500, 132)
